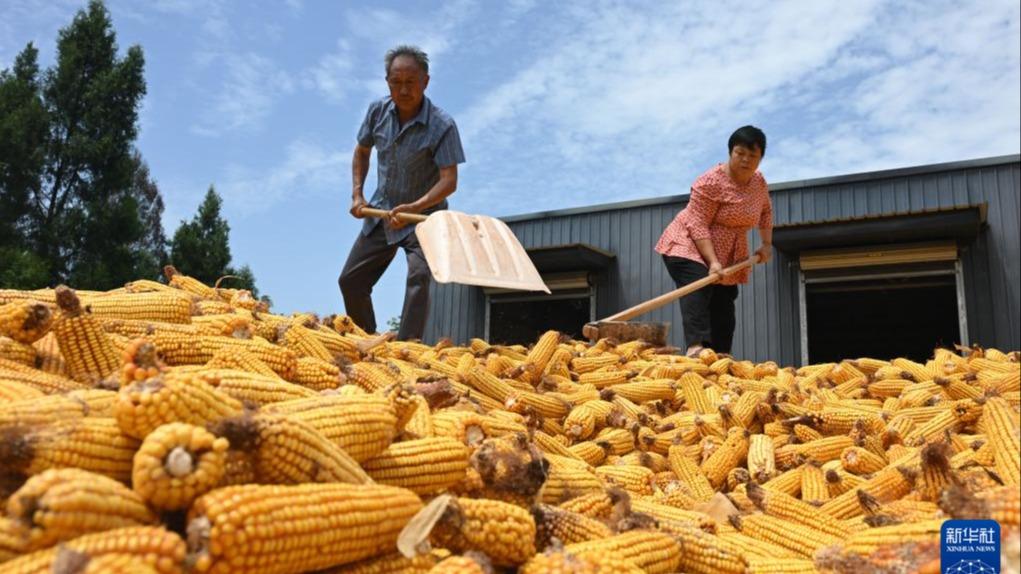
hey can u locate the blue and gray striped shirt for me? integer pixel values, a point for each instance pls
(408, 158)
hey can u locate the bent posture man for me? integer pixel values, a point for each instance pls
(417, 151)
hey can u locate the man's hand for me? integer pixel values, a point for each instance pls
(765, 253)
(396, 223)
(357, 203)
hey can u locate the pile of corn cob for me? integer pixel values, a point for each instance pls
(182, 428)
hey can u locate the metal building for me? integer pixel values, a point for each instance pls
(881, 264)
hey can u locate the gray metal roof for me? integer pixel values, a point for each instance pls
(782, 186)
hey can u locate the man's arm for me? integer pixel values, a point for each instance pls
(359, 170)
(443, 188)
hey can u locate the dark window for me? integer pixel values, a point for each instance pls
(523, 321)
(881, 318)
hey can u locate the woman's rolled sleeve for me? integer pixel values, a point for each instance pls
(766, 219)
(701, 210)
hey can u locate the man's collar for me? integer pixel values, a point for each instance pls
(423, 113)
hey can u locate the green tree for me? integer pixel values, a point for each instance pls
(23, 133)
(201, 247)
(69, 165)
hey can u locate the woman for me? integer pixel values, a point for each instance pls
(710, 233)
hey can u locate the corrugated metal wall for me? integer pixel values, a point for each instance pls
(767, 309)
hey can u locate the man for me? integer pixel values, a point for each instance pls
(417, 149)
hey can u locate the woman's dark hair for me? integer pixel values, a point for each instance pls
(750, 137)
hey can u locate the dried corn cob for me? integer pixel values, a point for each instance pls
(152, 306)
(86, 348)
(95, 444)
(654, 552)
(324, 524)
(61, 504)
(160, 549)
(424, 466)
(25, 321)
(176, 463)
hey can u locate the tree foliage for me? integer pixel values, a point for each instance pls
(201, 247)
(77, 204)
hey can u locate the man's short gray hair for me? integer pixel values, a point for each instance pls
(420, 57)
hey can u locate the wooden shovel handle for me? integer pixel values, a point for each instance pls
(665, 298)
(406, 217)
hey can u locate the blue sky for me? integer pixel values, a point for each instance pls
(559, 104)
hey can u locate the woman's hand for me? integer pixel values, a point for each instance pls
(765, 252)
(716, 268)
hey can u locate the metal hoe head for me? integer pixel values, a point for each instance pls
(476, 250)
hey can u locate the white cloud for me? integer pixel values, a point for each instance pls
(331, 76)
(307, 169)
(627, 103)
(251, 86)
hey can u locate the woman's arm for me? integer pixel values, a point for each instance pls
(702, 211)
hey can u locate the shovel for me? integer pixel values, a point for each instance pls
(471, 249)
(655, 333)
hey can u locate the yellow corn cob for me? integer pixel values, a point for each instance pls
(286, 450)
(93, 443)
(142, 406)
(868, 541)
(615, 441)
(567, 527)
(789, 508)
(300, 339)
(224, 325)
(647, 390)
(41, 410)
(317, 375)
(606, 378)
(788, 482)
(761, 462)
(25, 321)
(546, 405)
(814, 488)
(704, 553)
(392, 563)
(596, 504)
(502, 531)
(324, 525)
(11, 391)
(540, 354)
(465, 426)
(48, 357)
(636, 479)
(177, 463)
(593, 562)
(752, 548)
(654, 552)
(858, 460)
(13, 539)
(178, 280)
(689, 473)
(795, 537)
(86, 348)
(690, 388)
(153, 306)
(1003, 436)
(768, 565)
(161, 550)
(240, 360)
(825, 449)
(565, 482)
(252, 388)
(363, 425)
(732, 453)
(60, 504)
(425, 466)
(891, 483)
(372, 376)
